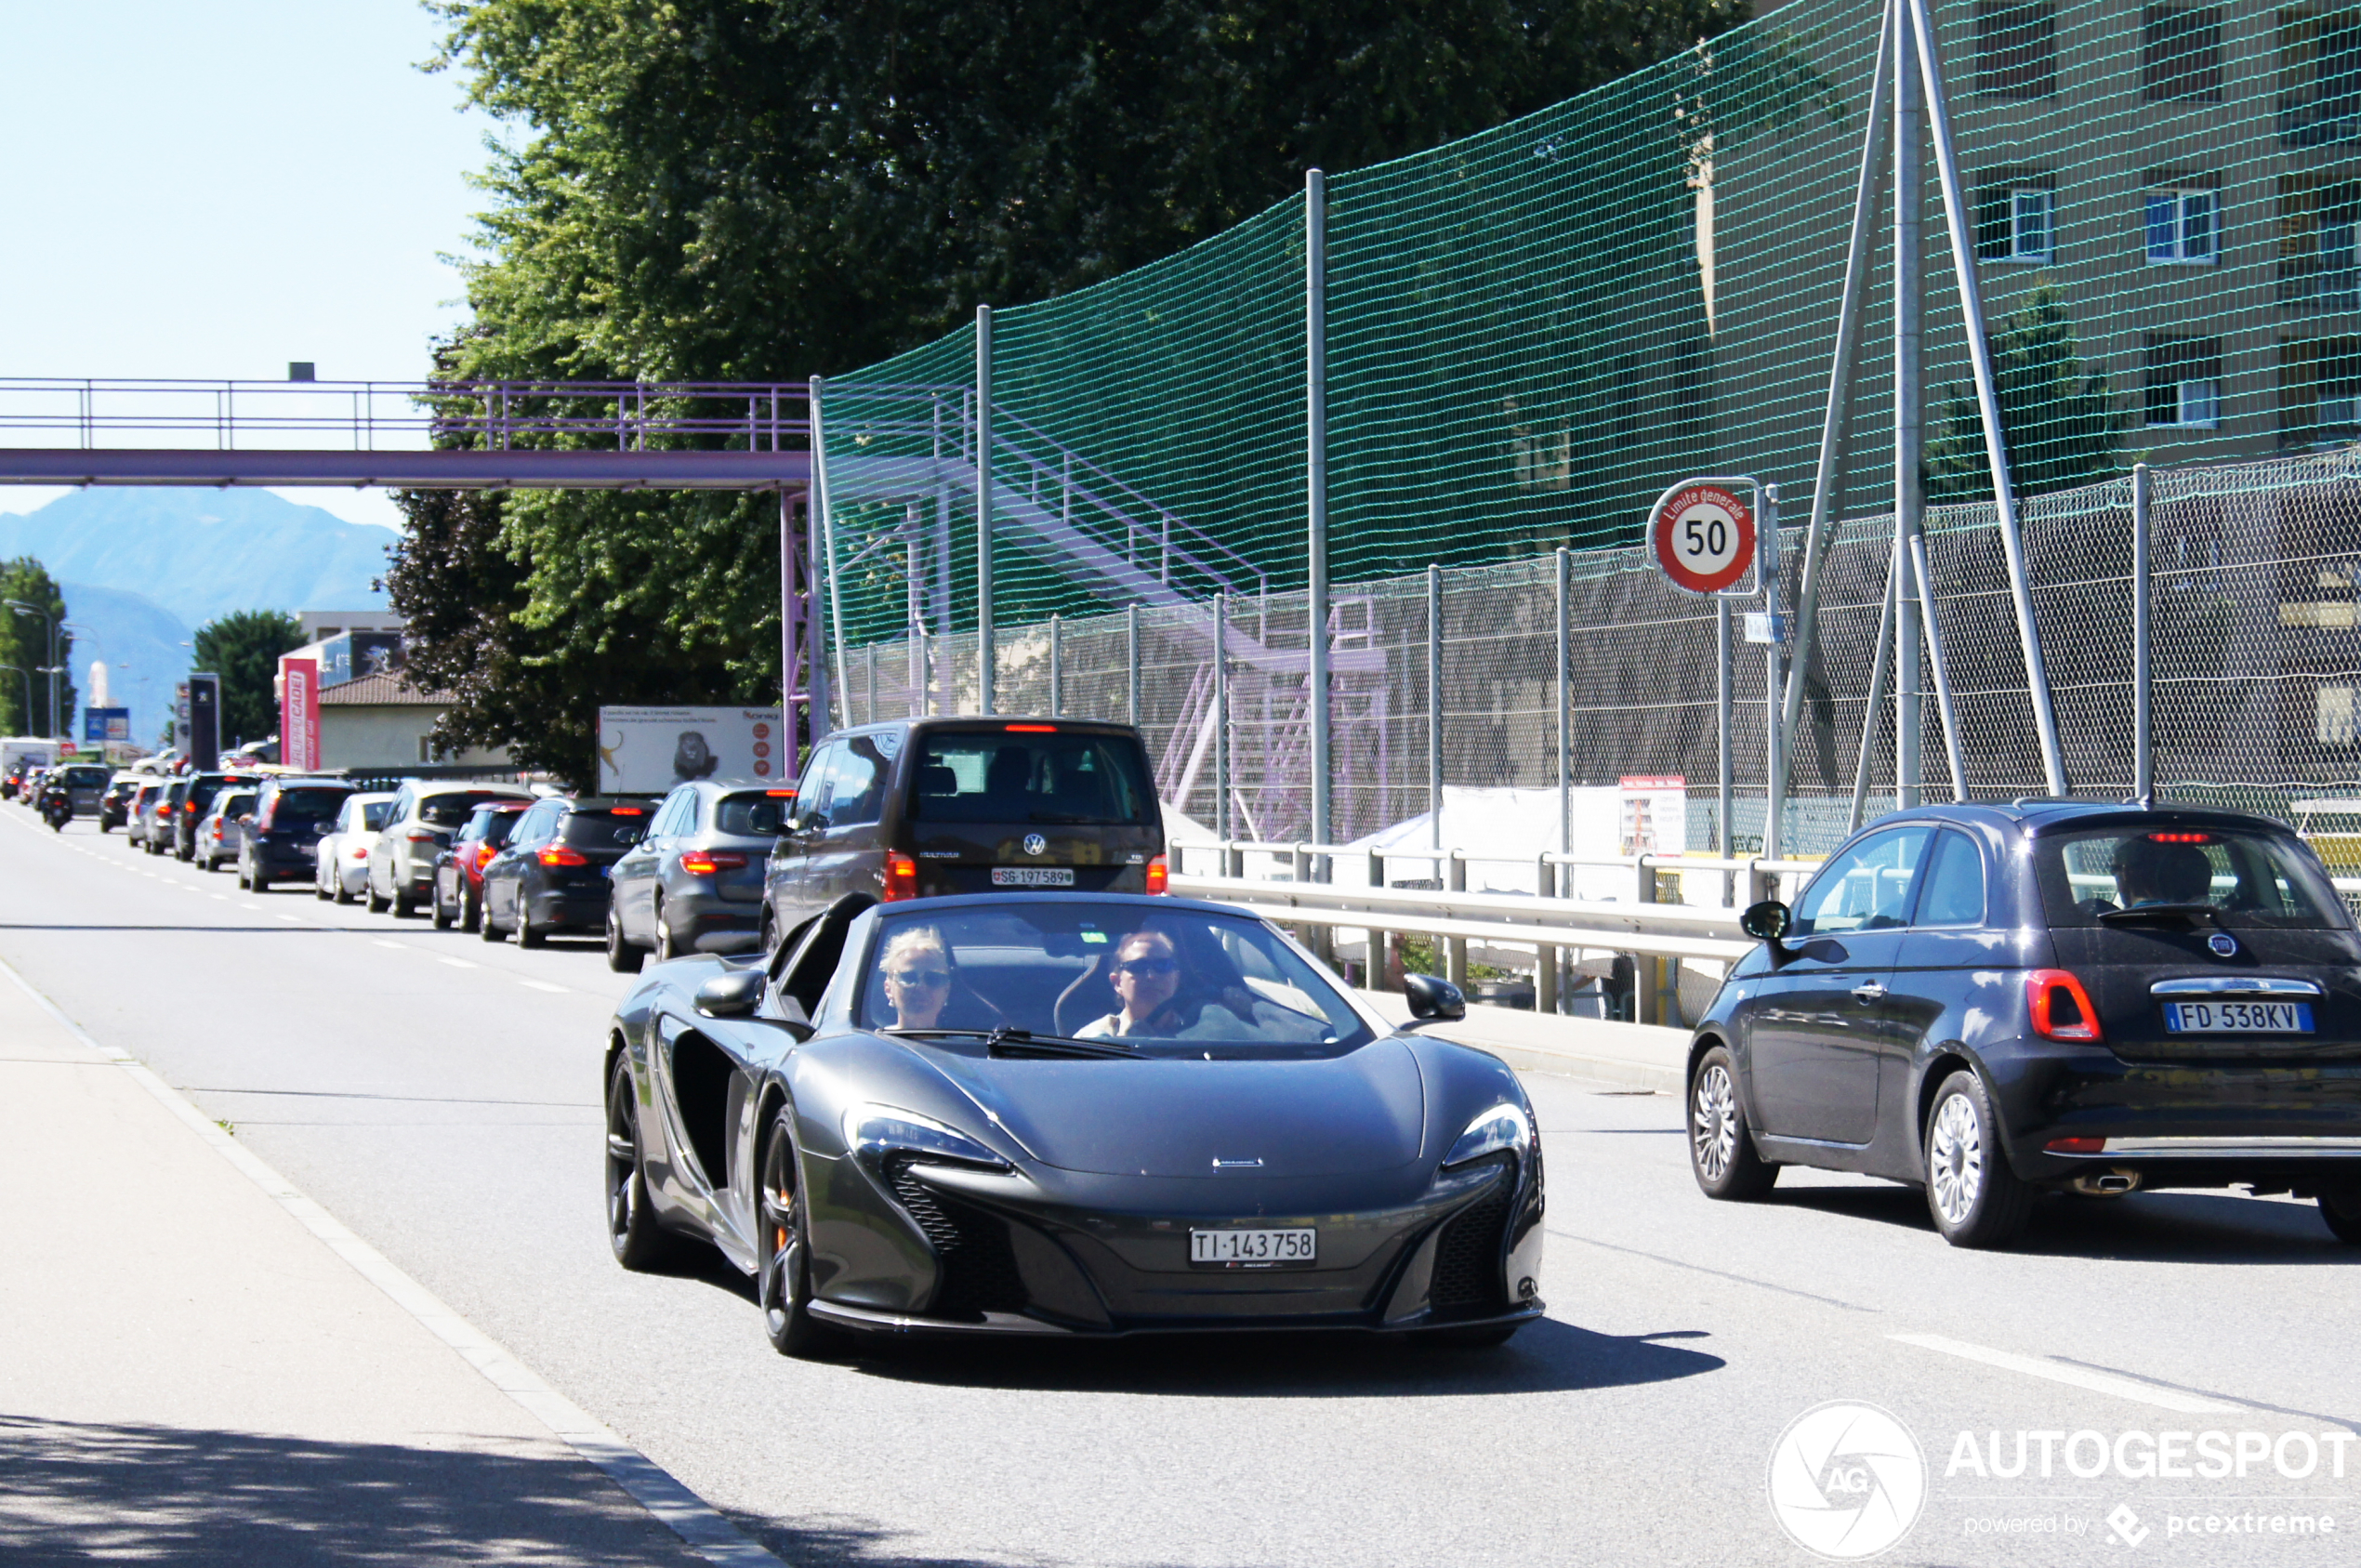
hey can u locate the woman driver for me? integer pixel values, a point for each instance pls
(917, 965)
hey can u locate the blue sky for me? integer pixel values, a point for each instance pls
(215, 189)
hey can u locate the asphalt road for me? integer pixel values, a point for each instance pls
(440, 1096)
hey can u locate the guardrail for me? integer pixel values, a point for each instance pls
(1546, 920)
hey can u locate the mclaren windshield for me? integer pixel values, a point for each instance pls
(1128, 978)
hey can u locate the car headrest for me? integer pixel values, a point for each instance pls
(937, 780)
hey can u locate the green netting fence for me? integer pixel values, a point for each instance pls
(1532, 331)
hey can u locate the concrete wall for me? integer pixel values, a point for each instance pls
(388, 736)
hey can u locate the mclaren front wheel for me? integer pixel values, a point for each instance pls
(784, 1281)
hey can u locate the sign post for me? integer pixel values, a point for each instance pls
(1704, 534)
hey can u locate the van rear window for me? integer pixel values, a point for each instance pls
(999, 776)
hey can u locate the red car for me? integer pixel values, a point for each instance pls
(459, 871)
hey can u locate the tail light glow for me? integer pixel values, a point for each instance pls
(2077, 1146)
(422, 835)
(557, 854)
(705, 863)
(484, 851)
(1159, 875)
(2061, 1007)
(901, 877)
(2180, 837)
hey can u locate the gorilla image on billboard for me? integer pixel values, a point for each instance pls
(648, 750)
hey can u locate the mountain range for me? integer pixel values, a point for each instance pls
(140, 568)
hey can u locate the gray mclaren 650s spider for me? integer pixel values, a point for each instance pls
(1071, 1117)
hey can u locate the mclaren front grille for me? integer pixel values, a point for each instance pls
(979, 1266)
(1467, 1256)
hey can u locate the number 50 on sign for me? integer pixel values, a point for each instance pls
(1703, 536)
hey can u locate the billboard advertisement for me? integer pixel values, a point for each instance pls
(100, 725)
(645, 750)
(299, 713)
(357, 653)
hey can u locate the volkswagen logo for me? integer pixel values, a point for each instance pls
(1035, 845)
(2223, 944)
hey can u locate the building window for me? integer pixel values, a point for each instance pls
(2016, 51)
(2184, 382)
(2184, 225)
(2181, 54)
(2319, 77)
(2031, 222)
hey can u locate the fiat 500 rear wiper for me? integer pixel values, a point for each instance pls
(1024, 1042)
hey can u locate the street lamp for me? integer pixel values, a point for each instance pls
(28, 691)
(21, 608)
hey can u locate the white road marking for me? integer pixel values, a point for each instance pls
(459, 963)
(2078, 1377)
(292, 919)
(708, 1533)
(544, 985)
(395, 945)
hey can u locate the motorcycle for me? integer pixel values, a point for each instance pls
(57, 808)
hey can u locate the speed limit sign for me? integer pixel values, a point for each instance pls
(1703, 536)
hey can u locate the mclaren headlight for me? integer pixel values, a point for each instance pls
(1503, 1127)
(875, 1132)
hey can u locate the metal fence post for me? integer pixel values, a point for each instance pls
(1057, 665)
(926, 672)
(2144, 756)
(1435, 708)
(1647, 970)
(1221, 714)
(1315, 386)
(1960, 224)
(790, 621)
(819, 579)
(1454, 950)
(1131, 664)
(1561, 679)
(1909, 495)
(1545, 959)
(1380, 972)
(987, 656)
(1773, 774)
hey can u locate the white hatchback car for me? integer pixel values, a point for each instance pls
(342, 873)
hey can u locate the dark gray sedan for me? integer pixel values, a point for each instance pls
(694, 883)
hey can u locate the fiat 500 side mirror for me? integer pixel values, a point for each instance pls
(1434, 999)
(1768, 921)
(732, 996)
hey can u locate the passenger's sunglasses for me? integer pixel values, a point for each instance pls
(1146, 966)
(921, 977)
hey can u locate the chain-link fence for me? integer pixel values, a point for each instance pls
(2256, 662)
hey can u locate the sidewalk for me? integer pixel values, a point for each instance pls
(189, 1374)
(1638, 1054)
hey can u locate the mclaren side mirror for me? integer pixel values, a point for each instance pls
(1434, 999)
(734, 995)
(1768, 921)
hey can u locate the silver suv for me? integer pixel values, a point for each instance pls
(418, 826)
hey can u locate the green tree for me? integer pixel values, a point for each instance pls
(24, 643)
(753, 190)
(2059, 418)
(242, 648)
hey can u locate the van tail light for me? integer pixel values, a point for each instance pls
(189, 806)
(2061, 1009)
(557, 854)
(1159, 875)
(901, 877)
(705, 862)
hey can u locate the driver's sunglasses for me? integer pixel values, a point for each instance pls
(921, 977)
(1146, 966)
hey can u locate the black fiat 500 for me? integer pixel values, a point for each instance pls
(1994, 1001)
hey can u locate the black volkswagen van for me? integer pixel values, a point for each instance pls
(920, 807)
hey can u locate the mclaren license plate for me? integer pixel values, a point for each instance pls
(1033, 877)
(1248, 1248)
(2238, 1018)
